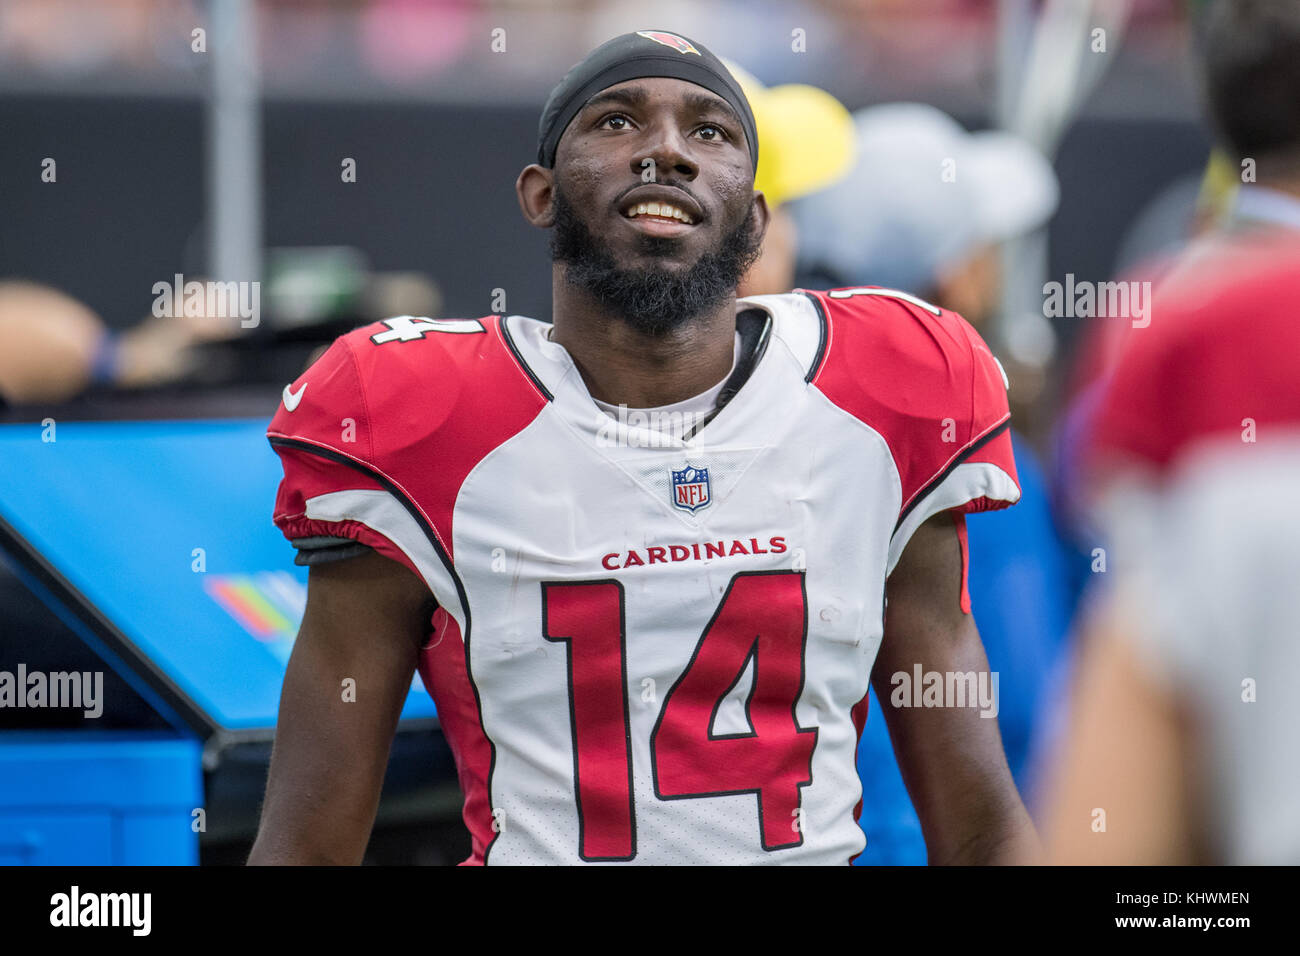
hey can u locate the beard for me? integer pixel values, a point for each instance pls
(652, 301)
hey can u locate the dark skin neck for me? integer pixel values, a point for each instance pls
(624, 367)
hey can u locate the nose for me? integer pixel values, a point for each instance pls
(668, 150)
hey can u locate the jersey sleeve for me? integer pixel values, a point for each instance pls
(924, 379)
(322, 433)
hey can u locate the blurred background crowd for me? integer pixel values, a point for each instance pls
(435, 103)
(358, 158)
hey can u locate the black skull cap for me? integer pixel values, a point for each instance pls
(629, 57)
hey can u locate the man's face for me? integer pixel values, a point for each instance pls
(657, 272)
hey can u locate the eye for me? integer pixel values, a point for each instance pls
(612, 117)
(719, 133)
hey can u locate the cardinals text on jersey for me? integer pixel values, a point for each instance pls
(649, 651)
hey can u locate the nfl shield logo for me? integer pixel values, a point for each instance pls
(691, 488)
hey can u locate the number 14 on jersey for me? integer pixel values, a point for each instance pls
(762, 617)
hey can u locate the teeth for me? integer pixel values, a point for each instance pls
(659, 209)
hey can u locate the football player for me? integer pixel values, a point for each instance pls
(646, 557)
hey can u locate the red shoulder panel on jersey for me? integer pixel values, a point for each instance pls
(407, 405)
(922, 378)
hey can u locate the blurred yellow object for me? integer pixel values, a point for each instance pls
(805, 137)
(1219, 188)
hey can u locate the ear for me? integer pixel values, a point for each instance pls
(536, 192)
(762, 214)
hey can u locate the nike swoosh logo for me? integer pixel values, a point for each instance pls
(290, 399)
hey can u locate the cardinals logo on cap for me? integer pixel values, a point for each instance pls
(669, 39)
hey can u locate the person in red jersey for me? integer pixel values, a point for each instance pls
(641, 555)
(1182, 739)
(1182, 745)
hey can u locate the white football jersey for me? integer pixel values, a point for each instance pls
(651, 650)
